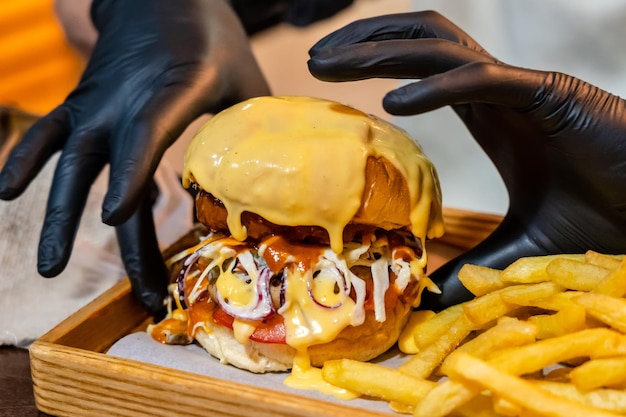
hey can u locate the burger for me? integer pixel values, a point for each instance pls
(316, 218)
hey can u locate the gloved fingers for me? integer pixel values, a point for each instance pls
(28, 157)
(141, 254)
(418, 58)
(145, 139)
(477, 82)
(417, 25)
(184, 95)
(507, 243)
(75, 173)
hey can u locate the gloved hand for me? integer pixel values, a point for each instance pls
(157, 65)
(559, 143)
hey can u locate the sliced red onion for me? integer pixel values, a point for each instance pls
(260, 306)
(182, 276)
(340, 281)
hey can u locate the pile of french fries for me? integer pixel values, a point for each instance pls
(546, 336)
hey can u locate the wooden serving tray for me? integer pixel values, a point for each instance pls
(73, 375)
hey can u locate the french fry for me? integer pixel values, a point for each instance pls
(527, 295)
(595, 343)
(607, 309)
(376, 381)
(428, 331)
(556, 302)
(504, 407)
(531, 269)
(615, 283)
(450, 395)
(509, 332)
(488, 307)
(406, 341)
(445, 398)
(480, 280)
(428, 359)
(605, 261)
(576, 275)
(567, 320)
(479, 406)
(516, 390)
(606, 399)
(597, 373)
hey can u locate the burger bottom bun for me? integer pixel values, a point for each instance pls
(363, 343)
(253, 356)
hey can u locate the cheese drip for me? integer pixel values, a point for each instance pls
(270, 156)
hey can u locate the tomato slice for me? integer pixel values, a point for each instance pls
(271, 330)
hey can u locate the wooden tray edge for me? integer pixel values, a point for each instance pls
(73, 381)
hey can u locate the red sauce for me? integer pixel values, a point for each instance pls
(280, 253)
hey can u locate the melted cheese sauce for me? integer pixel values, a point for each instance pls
(306, 322)
(250, 156)
(304, 376)
(317, 303)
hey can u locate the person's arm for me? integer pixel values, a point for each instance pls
(558, 142)
(76, 23)
(156, 66)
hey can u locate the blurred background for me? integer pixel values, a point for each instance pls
(38, 68)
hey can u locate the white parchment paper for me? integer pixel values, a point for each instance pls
(192, 358)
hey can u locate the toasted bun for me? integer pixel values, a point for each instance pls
(363, 343)
(385, 204)
(300, 161)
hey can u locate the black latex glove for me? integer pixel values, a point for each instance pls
(559, 143)
(157, 66)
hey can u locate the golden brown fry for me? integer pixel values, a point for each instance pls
(417, 321)
(445, 398)
(557, 301)
(428, 359)
(532, 269)
(607, 309)
(526, 359)
(576, 275)
(605, 261)
(615, 283)
(375, 380)
(509, 332)
(597, 373)
(605, 399)
(480, 280)
(488, 307)
(529, 294)
(567, 320)
(504, 407)
(516, 390)
(449, 395)
(479, 406)
(429, 330)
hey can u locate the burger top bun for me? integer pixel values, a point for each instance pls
(301, 161)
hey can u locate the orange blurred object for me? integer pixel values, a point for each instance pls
(38, 67)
